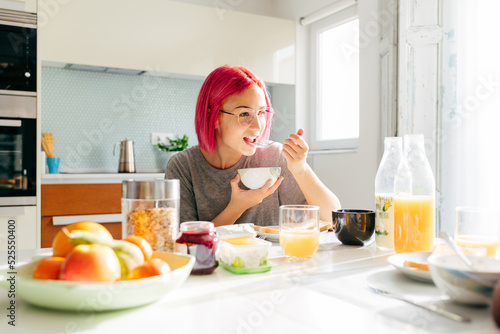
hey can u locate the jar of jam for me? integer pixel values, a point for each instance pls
(199, 239)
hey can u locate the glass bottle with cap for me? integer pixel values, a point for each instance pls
(414, 200)
(384, 192)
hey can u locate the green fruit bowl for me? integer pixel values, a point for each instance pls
(98, 296)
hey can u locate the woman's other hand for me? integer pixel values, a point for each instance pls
(245, 199)
(295, 151)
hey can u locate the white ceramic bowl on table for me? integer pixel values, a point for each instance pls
(99, 296)
(255, 178)
(461, 283)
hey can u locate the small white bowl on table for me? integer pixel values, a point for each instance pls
(463, 284)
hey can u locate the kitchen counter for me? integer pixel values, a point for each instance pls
(324, 295)
(98, 177)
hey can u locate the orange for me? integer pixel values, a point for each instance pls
(143, 244)
(61, 245)
(48, 268)
(150, 268)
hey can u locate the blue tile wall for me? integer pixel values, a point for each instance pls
(89, 112)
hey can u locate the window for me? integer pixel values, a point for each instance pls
(474, 120)
(335, 81)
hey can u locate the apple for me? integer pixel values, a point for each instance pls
(91, 263)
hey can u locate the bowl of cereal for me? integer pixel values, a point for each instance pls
(255, 178)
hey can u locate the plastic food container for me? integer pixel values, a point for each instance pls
(150, 209)
(244, 254)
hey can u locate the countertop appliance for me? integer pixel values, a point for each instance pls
(127, 159)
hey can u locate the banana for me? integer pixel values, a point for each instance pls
(129, 255)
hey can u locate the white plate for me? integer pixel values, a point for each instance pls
(270, 236)
(96, 297)
(398, 261)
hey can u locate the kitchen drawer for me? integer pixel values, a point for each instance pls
(49, 230)
(59, 202)
(80, 199)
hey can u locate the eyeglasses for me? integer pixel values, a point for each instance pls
(247, 116)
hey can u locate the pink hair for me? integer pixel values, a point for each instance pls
(222, 82)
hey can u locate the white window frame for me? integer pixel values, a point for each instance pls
(315, 29)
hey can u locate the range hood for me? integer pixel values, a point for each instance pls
(113, 70)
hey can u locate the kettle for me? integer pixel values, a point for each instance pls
(127, 161)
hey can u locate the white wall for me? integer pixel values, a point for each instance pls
(350, 175)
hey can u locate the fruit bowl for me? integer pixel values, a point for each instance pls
(97, 297)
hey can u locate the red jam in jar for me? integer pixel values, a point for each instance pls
(199, 239)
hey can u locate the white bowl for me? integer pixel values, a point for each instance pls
(462, 284)
(255, 178)
(99, 296)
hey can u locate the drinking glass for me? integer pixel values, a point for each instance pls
(478, 228)
(299, 231)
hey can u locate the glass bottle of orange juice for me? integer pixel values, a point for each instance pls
(414, 199)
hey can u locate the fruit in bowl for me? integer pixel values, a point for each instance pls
(91, 263)
(61, 245)
(255, 178)
(98, 296)
(98, 266)
(86, 252)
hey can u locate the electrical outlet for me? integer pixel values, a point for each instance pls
(160, 137)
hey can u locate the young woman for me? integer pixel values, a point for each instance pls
(233, 112)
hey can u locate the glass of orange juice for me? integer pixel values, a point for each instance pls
(299, 231)
(478, 228)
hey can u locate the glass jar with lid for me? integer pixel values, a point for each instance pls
(150, 209)
(198, 238)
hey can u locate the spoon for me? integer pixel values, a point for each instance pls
(264, 145)
(449, 240)
(432, 308)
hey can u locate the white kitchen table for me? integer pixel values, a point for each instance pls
(326, 294)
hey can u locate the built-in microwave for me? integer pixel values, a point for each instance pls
(18, 52)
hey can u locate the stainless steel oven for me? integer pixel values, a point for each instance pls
(18, 150)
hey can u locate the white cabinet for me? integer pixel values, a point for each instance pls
(169, 36)
(19, 224)
(21, 5)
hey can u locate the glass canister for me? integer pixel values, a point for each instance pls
(414, 200)
(384, 192)
(199, 239)
(150, 209)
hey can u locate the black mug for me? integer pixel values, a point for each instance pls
(354, 226)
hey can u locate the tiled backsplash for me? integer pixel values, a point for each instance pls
(89, 112)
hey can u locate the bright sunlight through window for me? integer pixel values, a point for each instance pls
(338, 82)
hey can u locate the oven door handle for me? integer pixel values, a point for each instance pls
(10, 122)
